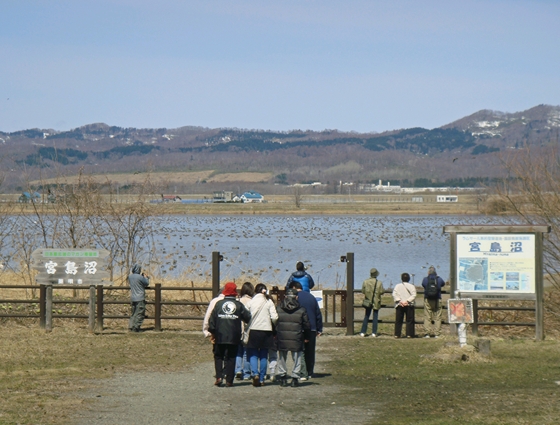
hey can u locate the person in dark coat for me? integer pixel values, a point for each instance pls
(309, 302)
(138, 282)
(433, 306)
(292, 331)
(225, 327)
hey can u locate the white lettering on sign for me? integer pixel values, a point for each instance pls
(51, 267)
(71, 268)
(90, 268)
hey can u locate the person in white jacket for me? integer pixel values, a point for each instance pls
(404, 295)
(263, 318)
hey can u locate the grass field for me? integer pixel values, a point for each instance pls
(404, 381)
(421, 381)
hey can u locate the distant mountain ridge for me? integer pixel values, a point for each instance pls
(404, 155)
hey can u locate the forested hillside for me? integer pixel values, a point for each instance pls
(466, 151)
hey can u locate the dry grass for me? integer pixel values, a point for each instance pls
(159, 178)
(42, 374)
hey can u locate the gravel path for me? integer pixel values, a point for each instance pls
(191, 398)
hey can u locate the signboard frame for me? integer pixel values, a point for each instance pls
(538, 294)
(71, 266)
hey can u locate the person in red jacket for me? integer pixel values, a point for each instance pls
(225, 329)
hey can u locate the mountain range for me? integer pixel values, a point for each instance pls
(466, 152)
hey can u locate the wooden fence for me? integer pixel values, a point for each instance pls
(335, 306)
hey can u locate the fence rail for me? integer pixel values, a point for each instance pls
(335, 310)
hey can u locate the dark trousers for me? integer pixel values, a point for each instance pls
(224, 360)
(399, 316)
(309, 352)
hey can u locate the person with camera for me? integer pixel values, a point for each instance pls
(404, 295)
(138, 283)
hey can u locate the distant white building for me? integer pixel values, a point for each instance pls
(447, 198)
(378, 187)
(252, 196)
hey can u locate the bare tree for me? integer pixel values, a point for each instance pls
(297, 193)
(532, 192)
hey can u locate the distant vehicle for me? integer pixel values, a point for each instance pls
(447, 198)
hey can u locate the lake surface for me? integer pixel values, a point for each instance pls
(266, 248)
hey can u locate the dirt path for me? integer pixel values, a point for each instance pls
(191, 398)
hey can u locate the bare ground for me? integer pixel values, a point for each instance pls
(189, 397)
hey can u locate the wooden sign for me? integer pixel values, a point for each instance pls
(71, 266)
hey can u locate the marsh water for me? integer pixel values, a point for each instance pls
(266, 248)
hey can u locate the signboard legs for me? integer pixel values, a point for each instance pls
(91, 317)
(48, 309)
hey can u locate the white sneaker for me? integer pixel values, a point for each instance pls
(303, 378)
(362, 334)
(373, 335)
(426, 336)
(437, 336)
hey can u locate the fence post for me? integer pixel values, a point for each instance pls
(48, 308)
(91, 317)
(350, 293)
(100, 308)
(42, 301)
(157, 317)
(216, 258)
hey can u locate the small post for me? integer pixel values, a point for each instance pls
(350, 293)
(91, 317)
(100, 308)
(157, 318)
(216, 258)
(48, 308)
(483, 346)
(42, 301)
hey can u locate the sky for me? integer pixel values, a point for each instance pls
(351, 65)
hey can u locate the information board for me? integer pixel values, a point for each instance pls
(496, 265)
(71, 266)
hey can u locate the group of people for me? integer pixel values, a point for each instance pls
(251, 335)
(404, 295)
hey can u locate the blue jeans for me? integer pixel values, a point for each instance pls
(366, 320)
(255, 355)
(241, 362)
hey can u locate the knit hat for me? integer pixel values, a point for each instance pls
(230, 289)
(291, 292)
(373, 272)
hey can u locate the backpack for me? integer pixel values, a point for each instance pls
(432, 288)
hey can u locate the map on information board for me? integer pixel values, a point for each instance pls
(497, 263)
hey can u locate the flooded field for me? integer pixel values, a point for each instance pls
(266, 248)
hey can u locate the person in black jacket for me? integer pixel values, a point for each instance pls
(225, 328)
(309, 302)
(292, 330)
